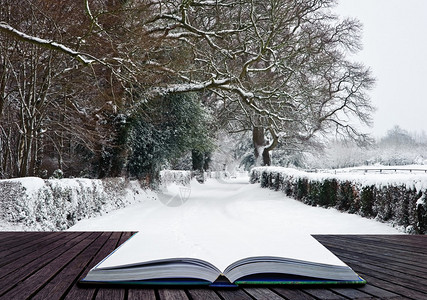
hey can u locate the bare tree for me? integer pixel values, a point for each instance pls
(26, 78)
(49, 103)
(277, 67)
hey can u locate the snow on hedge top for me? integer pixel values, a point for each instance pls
(30, 184)
(408, 176)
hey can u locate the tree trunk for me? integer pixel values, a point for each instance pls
(266, 159)
(259, 141)
(260, 145)
(198, 159)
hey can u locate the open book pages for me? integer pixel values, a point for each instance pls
(149, 246)
(148, 255)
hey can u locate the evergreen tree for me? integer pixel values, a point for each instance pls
(165, 130)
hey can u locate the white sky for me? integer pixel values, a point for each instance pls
(395, 48)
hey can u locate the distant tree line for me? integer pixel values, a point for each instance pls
(397, 147)
(122, 88)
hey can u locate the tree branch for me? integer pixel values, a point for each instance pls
(83, 58)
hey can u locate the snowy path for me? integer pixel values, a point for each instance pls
(235, 206)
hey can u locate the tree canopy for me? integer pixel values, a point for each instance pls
(279, 68)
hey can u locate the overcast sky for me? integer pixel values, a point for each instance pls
(395, 47)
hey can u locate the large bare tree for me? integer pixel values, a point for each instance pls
(279, 68)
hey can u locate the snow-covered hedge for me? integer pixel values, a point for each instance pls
(57, 204)
(172, 176)
(396, 198)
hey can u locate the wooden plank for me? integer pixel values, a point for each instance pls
(141, 294)
(114, 292)
(124, 237)
(53, 269)
(233, 294)
(395, 244)
(33, 283)
(322, 294)
(401, 291)
(396, 264)
(416, 243)
(393, 263)
(405, 254)
(11, 248)
(87, 292)
(206, 294)
(383, 278)
(263, 294)
(111, 294)
(407, 260)
(397, 279)
(290, 293)
(352, 293)
(9, 235)
(378, 292)
(36, 262)
(57, 287)
(14, 239)
(25, 256)
(389, 269)
(172, 294)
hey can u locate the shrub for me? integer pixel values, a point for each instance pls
(302, 189)
(367, 197)
(383, 206)
(313, 193)
(400, 204)
(345, 196)
(328, 193)
(421, 224)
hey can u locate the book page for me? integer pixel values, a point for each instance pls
(221, 223)
(219, 247)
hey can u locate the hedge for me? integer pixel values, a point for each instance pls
(175, 176)
(398, 199)
(57, 204)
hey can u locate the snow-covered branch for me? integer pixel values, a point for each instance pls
(81, 57)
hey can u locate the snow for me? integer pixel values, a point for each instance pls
(232, 206)
(421, 200)
(413, 176)
(220, 216)
(228, 216)
(30, 184)
(9, 29)
(32, 203)
(8, 226)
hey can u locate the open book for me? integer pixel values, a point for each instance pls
(162, 260)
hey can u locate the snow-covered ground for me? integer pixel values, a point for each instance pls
(233, 206)
(32, 203)
(8, 226)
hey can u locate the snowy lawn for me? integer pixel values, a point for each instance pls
(227, 208)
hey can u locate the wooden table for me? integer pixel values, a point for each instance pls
(48, 265)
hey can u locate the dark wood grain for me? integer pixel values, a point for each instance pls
(172, 294)
(141, 294)
(263, 293)
(234, 294)
(207, 294)
(288, 293)
(36, 260)
(49, 265)
(56, 288)
(30, 285)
